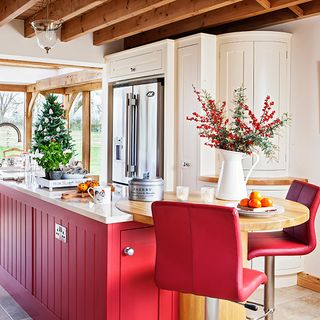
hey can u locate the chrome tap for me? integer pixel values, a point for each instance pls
(8, 124)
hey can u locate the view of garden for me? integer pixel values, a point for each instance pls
(12, 110)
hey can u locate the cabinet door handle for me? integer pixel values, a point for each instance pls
(186, 164)
(128, 251)
(133, 69)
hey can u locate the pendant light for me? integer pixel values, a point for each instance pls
(46, 31)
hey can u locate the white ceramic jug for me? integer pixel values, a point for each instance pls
(232, 184)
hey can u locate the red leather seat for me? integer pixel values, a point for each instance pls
(199, 251)
(298, 240)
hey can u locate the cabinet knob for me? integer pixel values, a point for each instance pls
(186, 164)
(132, 69)
(128, 251)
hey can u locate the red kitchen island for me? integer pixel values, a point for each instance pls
(86, 271)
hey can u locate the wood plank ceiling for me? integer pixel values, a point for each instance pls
(143, 21)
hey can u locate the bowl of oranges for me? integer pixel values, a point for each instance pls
(256, 203)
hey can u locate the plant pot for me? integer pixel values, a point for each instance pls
(55, 175)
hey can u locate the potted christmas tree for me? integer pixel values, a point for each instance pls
(52, 140)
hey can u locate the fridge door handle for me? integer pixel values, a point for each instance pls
(128, 136)
(136, 134)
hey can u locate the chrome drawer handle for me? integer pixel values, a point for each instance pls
(132, 69)
(128, 251)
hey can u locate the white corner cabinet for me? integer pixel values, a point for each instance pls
(259, 61)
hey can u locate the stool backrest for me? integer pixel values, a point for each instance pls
(309, 195)
(198, 249)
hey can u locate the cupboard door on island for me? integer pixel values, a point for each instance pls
(137, 288)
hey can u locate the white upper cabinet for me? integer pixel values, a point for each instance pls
(196, 57)
(259, 61)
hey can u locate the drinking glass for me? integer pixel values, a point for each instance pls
(182, 193)
(207, 194)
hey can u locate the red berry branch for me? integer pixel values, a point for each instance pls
(243, 131)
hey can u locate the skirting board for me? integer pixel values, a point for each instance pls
(308, 281)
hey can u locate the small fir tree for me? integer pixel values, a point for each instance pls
(51, 126)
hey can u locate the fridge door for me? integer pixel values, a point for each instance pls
(121, 132)
(148, 133)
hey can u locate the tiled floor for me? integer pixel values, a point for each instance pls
(293, 303)
(9, 309)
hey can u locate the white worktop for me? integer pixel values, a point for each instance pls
(107, 213)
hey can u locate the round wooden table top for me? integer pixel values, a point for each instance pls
(294, 213)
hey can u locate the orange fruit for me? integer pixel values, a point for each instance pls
(244, 202)
(266, 202)
(255, 203)
(255, 195)
(82, 187)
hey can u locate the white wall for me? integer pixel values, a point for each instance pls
(81, 50)
(305, 110)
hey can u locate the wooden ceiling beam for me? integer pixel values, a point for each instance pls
(311, 8)
(176, 11)
(61, 10)
(238, 11)
(10, 9)
(111, 13)
(84, 87)
(13, 87)
(41, 65)
(66, 80)
(297, 10)
(264, 3)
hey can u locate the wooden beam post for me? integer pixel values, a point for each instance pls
(86, 129)
(28, 120)
(68, 102)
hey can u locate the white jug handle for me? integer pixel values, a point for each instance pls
(254, 154)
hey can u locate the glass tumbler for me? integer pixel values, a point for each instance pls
(207, 194)
(182, 193)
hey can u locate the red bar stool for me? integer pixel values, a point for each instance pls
(298, 240)
(199, 251)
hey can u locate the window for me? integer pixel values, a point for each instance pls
(96, 135)
(12, 106)
(76, 125)
(37, 109)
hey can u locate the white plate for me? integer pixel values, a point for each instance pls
(279, 209)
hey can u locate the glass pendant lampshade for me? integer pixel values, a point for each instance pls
(46, 32)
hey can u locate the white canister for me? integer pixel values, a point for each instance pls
(100, 195)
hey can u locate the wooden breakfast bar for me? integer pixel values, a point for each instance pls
(101, 266)
(193, 307)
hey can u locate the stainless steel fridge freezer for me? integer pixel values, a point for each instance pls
(137, 130)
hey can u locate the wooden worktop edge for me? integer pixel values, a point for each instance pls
(281, 181)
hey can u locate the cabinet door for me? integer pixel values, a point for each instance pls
(136, 64)
(138, 292)
(189, 141)
(235, 70)
(270, 78)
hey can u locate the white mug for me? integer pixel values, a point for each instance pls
(101, 195)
